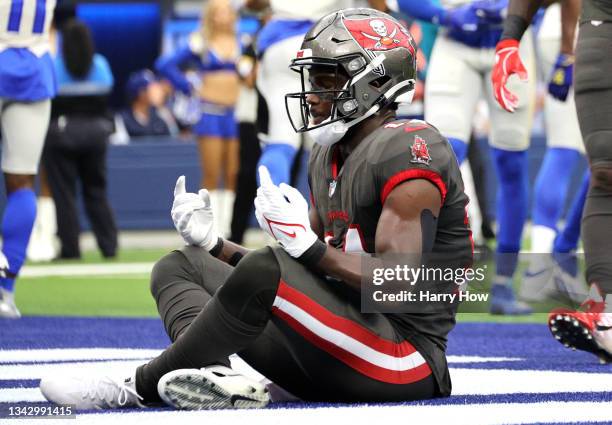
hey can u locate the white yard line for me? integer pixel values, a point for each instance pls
(75, 354)
(16, 395)
(506, 381)
(92, 354)
(36, 371)
(465, 381)
(86, 269)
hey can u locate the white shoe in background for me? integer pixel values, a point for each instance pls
(42, 245)
(8, 309)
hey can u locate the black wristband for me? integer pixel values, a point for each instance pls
(235, 259)
(217, 248)
(514, 27)
(312, 256)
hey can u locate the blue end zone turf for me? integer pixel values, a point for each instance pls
(532, 344)
(510, 352)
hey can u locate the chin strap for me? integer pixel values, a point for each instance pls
(344, 126)
(404, 97)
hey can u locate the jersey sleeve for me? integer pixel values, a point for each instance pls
(411, 152)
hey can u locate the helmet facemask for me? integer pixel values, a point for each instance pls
(339, 93)
(344, 104)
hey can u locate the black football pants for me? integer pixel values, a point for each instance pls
(594, 106)
(306, 336)
(75, 151)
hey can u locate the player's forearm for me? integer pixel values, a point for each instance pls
(520, 14)
(229, 252)
(343, 266)
(570, 10)
(524, 8)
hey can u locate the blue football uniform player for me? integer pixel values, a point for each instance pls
(27, 83)
(277, 43)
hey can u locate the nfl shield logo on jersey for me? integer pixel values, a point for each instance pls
(420, 151)
(332, 188)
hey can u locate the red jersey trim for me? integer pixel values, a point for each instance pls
(413, 173)
(353, 330)
(334, 163)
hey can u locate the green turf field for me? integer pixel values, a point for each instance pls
(127, 294)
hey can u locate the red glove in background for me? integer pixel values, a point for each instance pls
(507, 62)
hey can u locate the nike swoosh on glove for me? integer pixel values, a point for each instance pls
(562, 77)
(507, 63)
(193, 217)
(282, 212)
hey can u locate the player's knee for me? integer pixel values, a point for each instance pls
(257, 275)
(165, 271)
(261, 266)
(510, 139)
(601, 176)
(599, 149)
(15, 182)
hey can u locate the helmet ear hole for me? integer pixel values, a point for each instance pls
(380, 81)
(348, 106)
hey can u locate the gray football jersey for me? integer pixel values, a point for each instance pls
(349, 199)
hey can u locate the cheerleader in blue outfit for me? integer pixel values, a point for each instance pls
(214, 50)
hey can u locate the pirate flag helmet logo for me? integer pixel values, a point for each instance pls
(380, 33)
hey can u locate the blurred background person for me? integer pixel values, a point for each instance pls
(564, 152)
(146, 114)
(76, 144)
(215, 50)
(43, 245)
(27, 83)
(277, 44)
(247, 113)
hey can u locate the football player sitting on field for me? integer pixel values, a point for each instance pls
(379, 186)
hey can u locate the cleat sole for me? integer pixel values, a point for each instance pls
(186, 390)
(574, 334)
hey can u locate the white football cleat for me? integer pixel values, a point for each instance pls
(536, 284)
(213, 387)
(8, 309)
(569, 287)
(91, 392)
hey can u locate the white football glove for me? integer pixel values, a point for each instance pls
(193, 217)
(282, 212)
